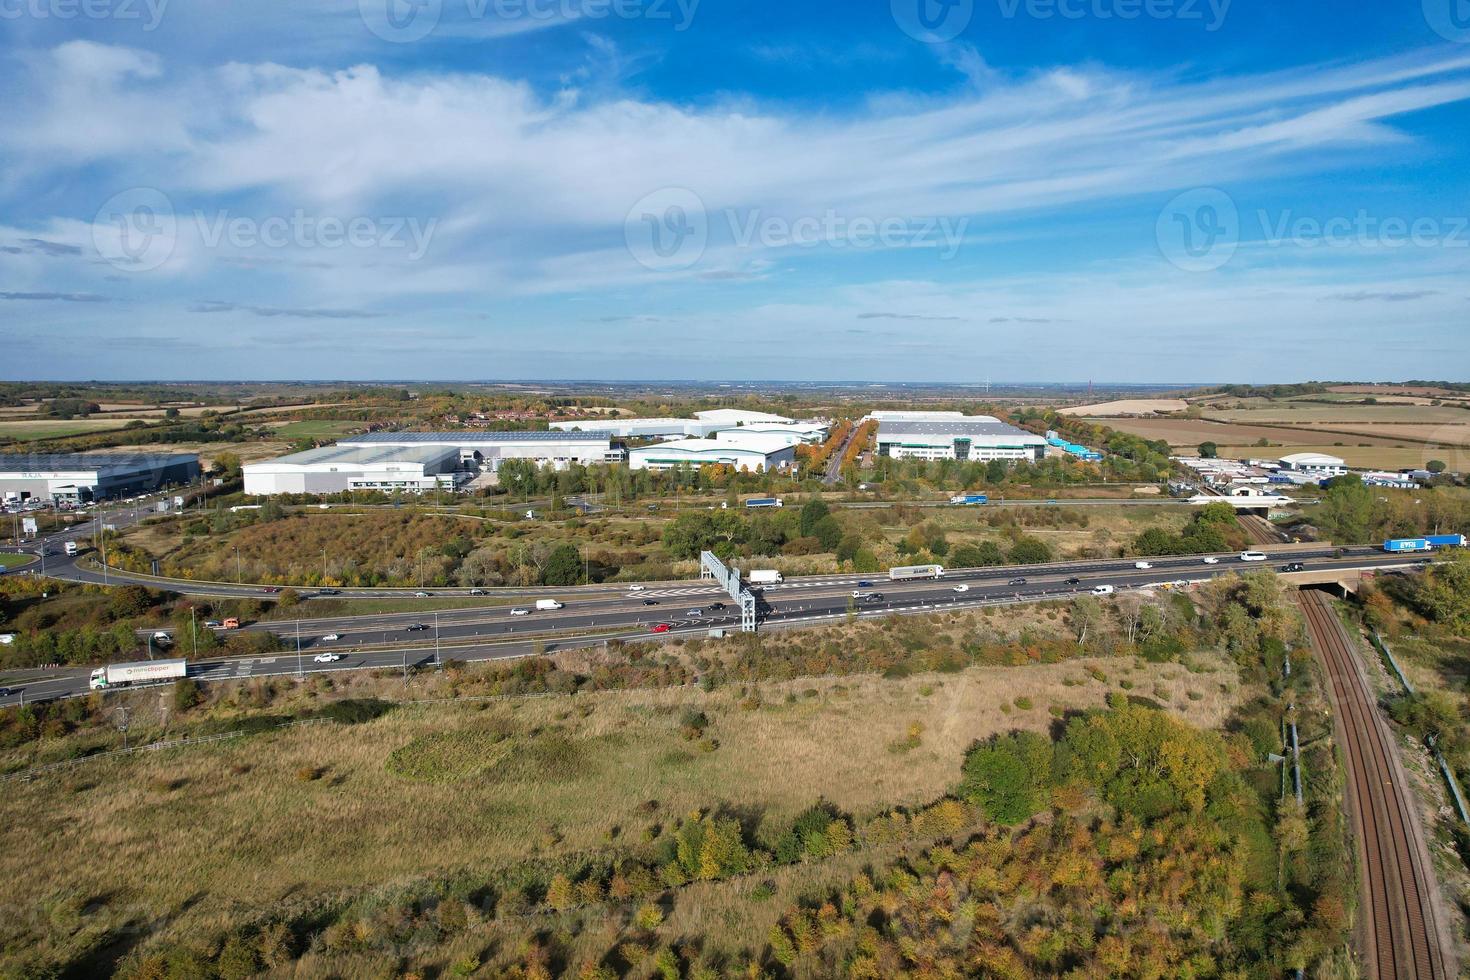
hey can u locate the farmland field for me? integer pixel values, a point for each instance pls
(317, 428)
(1129, 406)
(1293, 412)
(27, 430)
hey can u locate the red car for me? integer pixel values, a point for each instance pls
(271, 589)
(661, 628)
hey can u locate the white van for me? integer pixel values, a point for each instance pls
(1252, 556)
(1143, 564)
(1102, 590)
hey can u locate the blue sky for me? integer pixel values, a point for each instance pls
(909, 190)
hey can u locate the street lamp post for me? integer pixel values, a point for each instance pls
(194, 632)
(437, 664)
(299, 672)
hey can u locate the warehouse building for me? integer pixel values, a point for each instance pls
(962, 437)
(73, 478)
(727, 418)
(335, 469)
(1315, 464)
(754, 453)
(645, 428)
(489, 449)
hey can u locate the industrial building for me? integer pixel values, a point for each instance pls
(335, 469)
(752, 453)
(489, 449)
(704, 427)
(931, 435)
(73, 478)
(645, 428)
(1315, 464)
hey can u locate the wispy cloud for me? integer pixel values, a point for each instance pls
(1366, 296)
(904, 316)
(56, 297)
(301, 313)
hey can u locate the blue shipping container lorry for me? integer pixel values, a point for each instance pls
(1426, 543)
(763, 502)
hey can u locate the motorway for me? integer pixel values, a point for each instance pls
(487, 633)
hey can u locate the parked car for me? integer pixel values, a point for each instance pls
(417, 628)
(660, 628)
(1017, 581)
(327, 658)
(520, 611)
(332, 636)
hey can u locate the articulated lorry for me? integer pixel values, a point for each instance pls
(70, 547)
(969, 498)
(754, 502)
(905, 572)
(140, 672)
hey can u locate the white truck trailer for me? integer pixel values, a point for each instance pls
(139, 672)
(764, 576)
(70, 547)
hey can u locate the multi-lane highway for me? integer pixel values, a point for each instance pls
(693, 608)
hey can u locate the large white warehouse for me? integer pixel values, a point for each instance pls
(645, 428)
(80, 477)
(755, 453)
(488, 449)
(334, 469)
(914, 435)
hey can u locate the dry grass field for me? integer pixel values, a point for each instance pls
(304, 812)
(28, 430)
(1129, 406)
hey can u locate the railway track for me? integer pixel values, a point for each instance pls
(1402, 935)
(1258, 529)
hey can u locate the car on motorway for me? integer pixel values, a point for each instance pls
(962, 587)
(1211, 560)
(1017, 581)
(637, 588)
(717, 605)
(1074, 580)
(326, 658)
(1102, 590)
(650, 602)
(520, 611)
(1252, 556)
(1293, 566)
(329, 592)
(696, 613)
(271, 589)
(6, 692)
(873, 597)
(332, 636)
(1143, 564)
(212, 624)
(864, 584)
(477, 591)
(660, 628)
(417, 628)
(421, 594)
